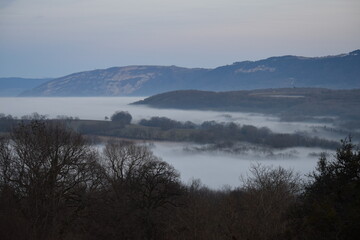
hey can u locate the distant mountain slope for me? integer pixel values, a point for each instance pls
(289, 103)
(120, 81)
(10, 87)
(341, 71)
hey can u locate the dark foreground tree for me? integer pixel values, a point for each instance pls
(331, 204)
(140, 194)
(45, 169)
(258, 210)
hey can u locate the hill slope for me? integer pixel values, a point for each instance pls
(342, 71)
(119, 81)
(290, 104)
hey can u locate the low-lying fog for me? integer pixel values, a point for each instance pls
(215, 169)
(96, 108)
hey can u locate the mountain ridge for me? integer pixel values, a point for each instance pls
(336, 72)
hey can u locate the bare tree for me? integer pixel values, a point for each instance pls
(142, 181)
(267, 196)
(49, 167)
(122, 160)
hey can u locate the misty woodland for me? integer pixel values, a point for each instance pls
(55, 185)
(179, 120)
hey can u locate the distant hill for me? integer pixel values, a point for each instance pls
(335, 72)
(10, 87)
(120, 81)
(288, 103)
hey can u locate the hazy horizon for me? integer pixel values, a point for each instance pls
(42, 38)
(167, 65)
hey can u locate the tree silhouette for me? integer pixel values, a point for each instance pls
(48, 167)
(331, 208)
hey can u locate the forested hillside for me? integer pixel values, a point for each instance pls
(289, 103)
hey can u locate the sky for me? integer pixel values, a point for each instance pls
(53, 38)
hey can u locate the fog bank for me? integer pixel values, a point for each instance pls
(214, 168)
(217, 169)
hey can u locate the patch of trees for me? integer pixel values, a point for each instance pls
(241, 148)
(214, 133)
(166, 123)
(8, 121)
(54, 185)
(165, 129)
(121, 117)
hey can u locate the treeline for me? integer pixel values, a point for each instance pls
(54, 185)
(7, 122)
(166, 123)
(165, 129)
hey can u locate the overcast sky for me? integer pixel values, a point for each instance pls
(52, 38)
